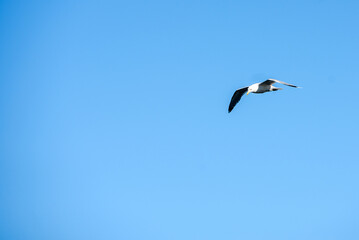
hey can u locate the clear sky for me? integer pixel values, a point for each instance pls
(114, 123)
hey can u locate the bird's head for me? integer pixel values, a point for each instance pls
(249, 90)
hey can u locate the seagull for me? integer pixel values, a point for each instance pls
(266, 86)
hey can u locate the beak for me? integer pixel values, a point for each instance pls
(248, 92)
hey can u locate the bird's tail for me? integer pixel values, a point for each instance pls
(276, 89)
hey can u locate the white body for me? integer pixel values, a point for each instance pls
(261, 88)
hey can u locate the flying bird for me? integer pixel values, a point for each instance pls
(266, 86)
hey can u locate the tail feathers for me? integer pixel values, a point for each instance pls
(276, 89)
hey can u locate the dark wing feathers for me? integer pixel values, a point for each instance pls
(272, 81)
(268, 82)
(236, 97)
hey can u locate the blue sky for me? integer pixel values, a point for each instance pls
(114, 123)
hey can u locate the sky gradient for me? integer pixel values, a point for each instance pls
(114, 122)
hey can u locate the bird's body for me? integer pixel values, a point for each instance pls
(266, 86)
(257, 88)
(262, 88)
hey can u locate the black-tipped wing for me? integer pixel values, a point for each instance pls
(272, 81)
(236, 97)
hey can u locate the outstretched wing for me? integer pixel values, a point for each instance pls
(272, 81)
(236, 97)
